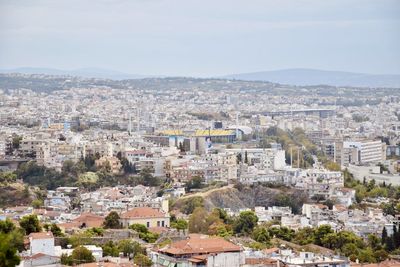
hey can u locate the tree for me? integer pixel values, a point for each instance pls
(127, 166)
(260, 234)
(304, 236)
(321, 232)
(8, 253)
(220, 229)
(66, 260)
(180, 224)
(283, 200)
(82, 255)
(396, 237)
(198, 221)
(332, 166)
(245, 223)
(148, 179)
(239, 158)
(54, 229)
(181, 147)
(88, 179)
(142, 260)
(112, 221)
(223, 215)
(15, 236)
(30, 224)
(374, 242)
(6, 226)
(329, 203)
(195, 183)
(380, 255)
(110, 249)
(128, 247)
(16, 142)
(191, 204)
(366, 255)
(37, 203)
(384, 235)
(390, 245)
(282, 232)
(144, 233)
(7, 177)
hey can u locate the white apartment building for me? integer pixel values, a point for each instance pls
(262, 158)
(221, 166)
(41, 243)
(320, 182)
(361, 152)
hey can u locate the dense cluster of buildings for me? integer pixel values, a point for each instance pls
(181, 133)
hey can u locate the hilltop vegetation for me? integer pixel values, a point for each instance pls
(242, 196)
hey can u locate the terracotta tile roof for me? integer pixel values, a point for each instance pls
(321, 206)
(197, 244)
(107, 264)
(18, 208)
(88, 219)
(41, 235)
(345, 189)
(261, 261)
(38, 256)
(39, 211)
(340, 207)
(142, 212)
(271, 250)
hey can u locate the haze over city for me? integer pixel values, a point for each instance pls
(201, 38)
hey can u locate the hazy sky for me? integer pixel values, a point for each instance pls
(202, 37)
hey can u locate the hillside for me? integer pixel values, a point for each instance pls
(241, 197)
(304, 77)
(14, 194)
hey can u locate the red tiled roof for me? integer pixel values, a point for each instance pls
(270, 250)
(107, 264)
(196, 244)
(259, 261)
(41, 235)
(89, 219)
(142, 212)
(38, 256)
(340, 207)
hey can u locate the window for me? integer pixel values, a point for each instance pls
(158, 223)
(148, 224)
(162, 223)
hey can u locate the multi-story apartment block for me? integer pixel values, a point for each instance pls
(361, 152)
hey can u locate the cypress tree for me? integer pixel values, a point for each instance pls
(384, 235)
(396, 237)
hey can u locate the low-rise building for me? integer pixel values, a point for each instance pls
(147, 216)
(199, 250)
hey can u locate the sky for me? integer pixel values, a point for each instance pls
(201, 38)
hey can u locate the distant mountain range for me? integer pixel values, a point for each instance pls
(82, 72)
(320, 77)
(301, 77)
